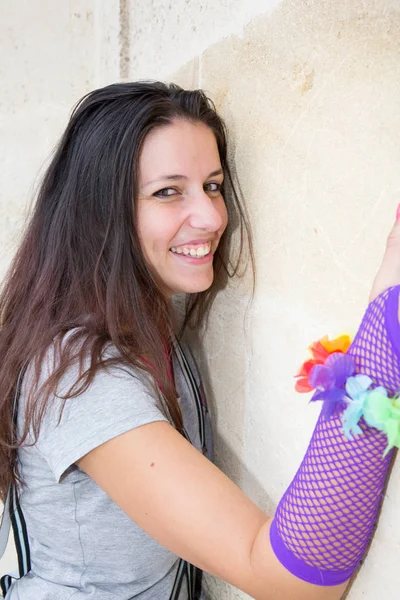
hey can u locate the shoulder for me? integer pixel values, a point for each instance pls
(79, 417)
(71, 356)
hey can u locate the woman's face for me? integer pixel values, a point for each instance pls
(180, 212)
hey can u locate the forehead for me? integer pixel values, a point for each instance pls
(181, 147)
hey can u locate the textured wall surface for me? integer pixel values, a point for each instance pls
(312, 98)
(165, 33)
(51, 54)
(311, 94)
(310, 90)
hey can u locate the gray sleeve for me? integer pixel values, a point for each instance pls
(115, 402)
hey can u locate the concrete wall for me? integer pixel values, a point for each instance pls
(51, 54)
(310, 91)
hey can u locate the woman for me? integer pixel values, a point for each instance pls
(112, 428)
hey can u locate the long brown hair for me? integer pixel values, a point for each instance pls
(80, 264)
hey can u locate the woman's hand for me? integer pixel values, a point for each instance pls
(389, 271)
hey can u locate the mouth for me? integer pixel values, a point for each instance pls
(195, 251)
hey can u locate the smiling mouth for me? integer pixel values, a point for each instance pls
(199, 251)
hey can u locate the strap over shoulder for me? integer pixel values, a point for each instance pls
(13, 516)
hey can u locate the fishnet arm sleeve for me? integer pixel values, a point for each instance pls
(325, 519)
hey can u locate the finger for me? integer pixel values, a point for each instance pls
(388, 274)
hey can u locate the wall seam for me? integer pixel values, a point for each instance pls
(200, 70)
(124, 40)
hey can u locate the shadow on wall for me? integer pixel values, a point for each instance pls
(310, 94)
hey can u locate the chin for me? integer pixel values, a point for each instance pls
(194, 288)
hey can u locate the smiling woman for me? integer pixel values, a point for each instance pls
(180, 226)
(108, 446)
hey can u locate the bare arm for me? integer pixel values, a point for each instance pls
(189, 506)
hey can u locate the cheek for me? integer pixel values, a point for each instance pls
(224, 217)
(156, 228)
(146, 229)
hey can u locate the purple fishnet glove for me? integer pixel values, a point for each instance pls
(324, 521)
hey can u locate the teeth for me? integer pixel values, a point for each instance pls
(198, 252)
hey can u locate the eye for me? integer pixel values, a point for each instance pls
(166, 193)
(213, 187)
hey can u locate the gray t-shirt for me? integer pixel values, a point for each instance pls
(83, 546)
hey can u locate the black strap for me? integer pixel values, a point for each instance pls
(180, 574)
(20, 536)
(5, 584)
(191, 382)
(193, 580)
(16, 516)
(192, 573)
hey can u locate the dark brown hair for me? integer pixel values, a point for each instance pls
(80, 265)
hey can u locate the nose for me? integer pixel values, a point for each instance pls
(207, 213)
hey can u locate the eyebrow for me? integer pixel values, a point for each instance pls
(178, 177)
